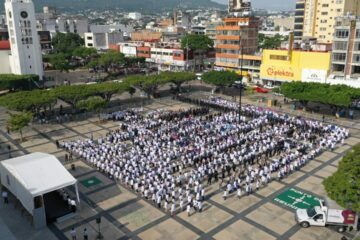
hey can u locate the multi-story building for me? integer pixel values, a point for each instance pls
(319, 17)
(210, 29)
(146, 36)
(237, 36)
(299, 19)
(102, 41)
(182, 19)
(237, 6)
(54, 24)
(345, 63)
(198, 30)
(26, 57)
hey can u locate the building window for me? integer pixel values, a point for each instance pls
(339, 57)
(324, 13)
(342, 33)
(357, 33)
(357, 46)
(356, 58)
(340, 45)
(278, 57)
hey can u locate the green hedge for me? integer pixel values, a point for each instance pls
(18, 82)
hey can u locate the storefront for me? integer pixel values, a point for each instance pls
(285, 66)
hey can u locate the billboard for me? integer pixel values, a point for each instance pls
(314, 75)
(239, 5)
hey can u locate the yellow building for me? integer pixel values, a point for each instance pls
(294, 65)
(319, 17)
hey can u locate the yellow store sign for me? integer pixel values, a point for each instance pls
(280, 65)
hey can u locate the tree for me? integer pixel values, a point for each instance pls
(60, 62)
(92, 104)
(178, 78)
(107, 89)
(220, 79)
(131, 61)
(66, 43)
(270, 42)
(111, 59)
(18, 122)
(148, 84)
(198, 43)
(131, 90)
(334, 95)
(84, 52)
(344, 185)
(32, 101)
(75, 93)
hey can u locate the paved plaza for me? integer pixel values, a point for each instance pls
(126, 215)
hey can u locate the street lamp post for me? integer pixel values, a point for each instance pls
(241, 78)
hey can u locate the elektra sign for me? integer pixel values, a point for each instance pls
(279, 73)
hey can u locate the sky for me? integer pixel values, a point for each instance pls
(269, 4)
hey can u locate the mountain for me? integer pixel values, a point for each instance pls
(127, 5)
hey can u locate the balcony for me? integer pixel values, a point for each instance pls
(228, 46)
(227, 55)
(229, 28)
(225, 37)
(223, 64)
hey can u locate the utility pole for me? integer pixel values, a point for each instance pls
(241, 78)
(187, 53)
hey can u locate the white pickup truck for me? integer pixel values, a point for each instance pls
(322, 216)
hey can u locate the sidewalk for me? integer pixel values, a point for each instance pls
(16, 226)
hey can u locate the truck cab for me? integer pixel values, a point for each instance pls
(311, 217)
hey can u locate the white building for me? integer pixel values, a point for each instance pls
(198, 30)
(135, 15)
(26, 55)
(102, 41)
(128, 49)
(126, 30)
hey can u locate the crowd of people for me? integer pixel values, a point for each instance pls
(171, 157)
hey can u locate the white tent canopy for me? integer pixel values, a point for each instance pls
(34, 175)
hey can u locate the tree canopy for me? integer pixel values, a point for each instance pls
(28, 100)
(344, 185)
(220, 78)
(18, 82)
(109, 59)
(178, 78)
(270, 42)
(148, 84)
(36, 100)
(335, 95)
(18, 121)
(92, 104)
(66, 43)
(197, 42)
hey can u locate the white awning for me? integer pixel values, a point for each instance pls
(34, 175)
